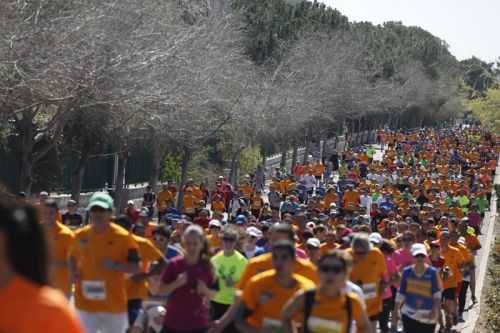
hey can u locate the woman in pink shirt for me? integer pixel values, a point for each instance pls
(387, 248)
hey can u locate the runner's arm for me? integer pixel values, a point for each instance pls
(293, 306)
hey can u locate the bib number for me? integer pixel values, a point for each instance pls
(273, 324)
(318, 325)
(94, 290)
(370, 290)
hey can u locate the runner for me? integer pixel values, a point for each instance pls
(265, 294)
(328, 308)
(419, 294)
(190, 282)
(61, 240)
(229, 265)
(103, 255)
(369, 271)
(24, 276)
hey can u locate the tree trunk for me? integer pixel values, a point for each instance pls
(283, 158)
(295, 152)
(186, 158)
(156, 165)
(233, 173)
(26, 170)
(120, 181)
(77, 176)
(305, 158)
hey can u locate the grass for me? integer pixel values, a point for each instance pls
(492, 300)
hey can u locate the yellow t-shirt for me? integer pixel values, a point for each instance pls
(264, 296)
(99, 289)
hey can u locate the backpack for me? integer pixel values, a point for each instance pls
(308, 305)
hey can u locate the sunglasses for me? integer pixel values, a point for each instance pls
(407, 239)
(159, 239)
(360, 253)
(420, 256)
(228, 239)
(283, 257)
(336, 269)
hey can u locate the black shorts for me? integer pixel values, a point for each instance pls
(449, 294)
(317, 177)
(374, 317)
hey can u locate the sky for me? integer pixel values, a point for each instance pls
(469, 27)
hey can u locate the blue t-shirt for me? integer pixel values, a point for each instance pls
(172, 252)
(419, 293)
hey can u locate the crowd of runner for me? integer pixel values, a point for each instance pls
(349, 244)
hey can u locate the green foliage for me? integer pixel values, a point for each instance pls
(250, 159)
(479, 76)
(493, 293)
(171, 167)
(271, 24)
(487, 109)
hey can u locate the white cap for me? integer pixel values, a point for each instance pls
(214, 223)
(375, 237)
(314, 242)
(462, 241)
(253, 231)
(418, 248)
(130, 202)
(333, 205)
(311, 225)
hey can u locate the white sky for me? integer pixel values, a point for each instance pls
(470, 27)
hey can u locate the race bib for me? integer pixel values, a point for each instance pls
(190, 210)
(370, 290)
(273, 324)
(94, 290)
(318, 325)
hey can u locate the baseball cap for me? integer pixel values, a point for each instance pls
(253, 231)
(462, 241)
(130, 202)
(417, 249)
(101, 199)
(375, 238)
(314, 242)
(214, 223)
(241, 219)
(311, 225)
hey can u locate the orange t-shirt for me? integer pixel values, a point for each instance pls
(351, 199)
(453, 259)
(266, 298)
(367, 273)
(27, 307)
(264, 263)
(99, 289)
(218, 206)
(61, 243)
(148, 253)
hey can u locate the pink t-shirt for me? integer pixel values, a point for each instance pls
(391, 270)
(402, 259)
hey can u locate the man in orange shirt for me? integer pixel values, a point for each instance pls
(103, 255)
(61, 240)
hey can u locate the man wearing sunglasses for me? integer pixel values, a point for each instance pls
(265, 295)
(369, 272)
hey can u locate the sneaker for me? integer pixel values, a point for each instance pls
(474, 300)
(461, 318)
